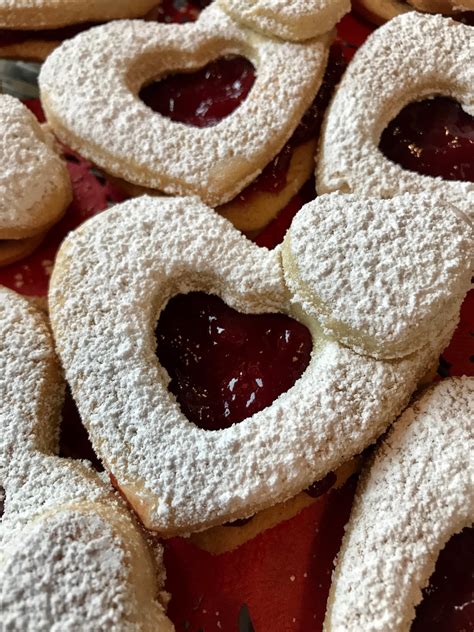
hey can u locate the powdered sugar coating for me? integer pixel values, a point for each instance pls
(90, 85)
(112, 278)
(34, 183)
(71, 554)
(415, 494)
(49, 14)
(412, 57)
(380, 275)
(297, 20)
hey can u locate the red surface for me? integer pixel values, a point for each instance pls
(282, 575)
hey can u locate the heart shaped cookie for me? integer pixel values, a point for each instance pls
(428, 56)
(50, 14)
(382, 276)
(71, 552)
(112, 279)
(297, 20)
(414, 495)
(90, 85)
(34, 183)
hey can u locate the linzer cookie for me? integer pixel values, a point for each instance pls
(380, 11)
(123, 266)
(297, 20)
(413, 496)
(90, 86)
(49, 14)
(34, 182)
(428, 56)
(71, 552)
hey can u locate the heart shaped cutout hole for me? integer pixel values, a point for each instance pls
(433, 137)
(205, 97)
(224, 365)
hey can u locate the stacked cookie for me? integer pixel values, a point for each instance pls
(34, 183)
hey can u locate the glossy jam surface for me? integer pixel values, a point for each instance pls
(434, 137)
(448, 601)
(178, 11)
(224, 365)
(205, 97)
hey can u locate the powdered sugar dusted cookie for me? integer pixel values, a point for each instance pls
(90, 85)
(382, 276)
(34, 183)
(297, 20)
(71, 554)
(412, 57)
(49, 14)
(112, 279)
(415, 494)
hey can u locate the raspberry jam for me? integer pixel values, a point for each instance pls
(225, 366)
(205, 97)
(434, 137)
(177, 11)
(448, 601)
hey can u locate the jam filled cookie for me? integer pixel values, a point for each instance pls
(50, 14)
(297, 20)
(380, 11)
(90, 87)
(415, 494)
(429, 56)
(34, 182)
(70, 551)
(112, 279)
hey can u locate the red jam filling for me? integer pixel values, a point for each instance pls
(180, 11)
(448, 601)
(205, 97)
(225, 366)
(434, 137)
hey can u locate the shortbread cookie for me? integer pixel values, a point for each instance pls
(113, 277)
(380, 11)
(382, 276)
(72, 557)
(29, 50)
(34, 183)
(297, 20)
(228, 537)
(12, 250)
(98, 112)
(445, 7)
(428, 55)
(49, 14)
(415, 495)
